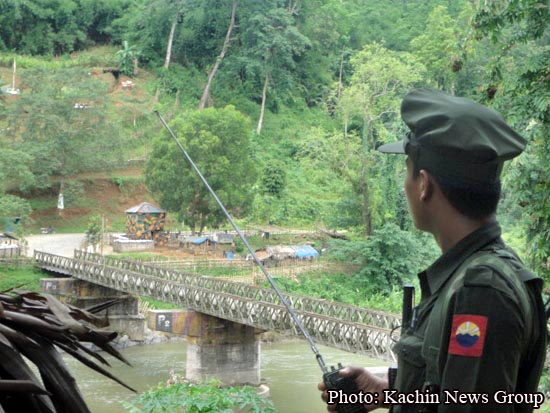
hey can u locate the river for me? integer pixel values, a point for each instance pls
(288, 368)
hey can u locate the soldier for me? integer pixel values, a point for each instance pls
(477, 340)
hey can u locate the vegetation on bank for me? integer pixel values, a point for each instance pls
(25, 275)
(210, 397)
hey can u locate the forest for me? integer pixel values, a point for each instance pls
(282, 103)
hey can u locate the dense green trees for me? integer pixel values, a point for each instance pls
(56, 128)
(218, 142)
(321, 81)
(520, 87)
(371, 100)
(55, 27)
(59, 123)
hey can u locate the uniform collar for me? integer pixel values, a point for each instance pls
(433, 278)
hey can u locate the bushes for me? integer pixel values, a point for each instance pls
(203, 398)
(343, 288)
(390, 257)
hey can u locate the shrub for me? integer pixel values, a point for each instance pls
(390, 257)
(202, 398)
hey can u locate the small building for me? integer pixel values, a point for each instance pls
(223, 238)
(146, 222)
(9, 246)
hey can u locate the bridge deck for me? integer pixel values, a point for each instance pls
(333, 324)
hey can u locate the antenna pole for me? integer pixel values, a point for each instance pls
(280, 294)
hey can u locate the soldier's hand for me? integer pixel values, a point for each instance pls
(366, 382)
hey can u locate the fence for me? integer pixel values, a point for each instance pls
(246, 271)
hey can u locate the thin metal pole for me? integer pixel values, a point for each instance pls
(251, 250)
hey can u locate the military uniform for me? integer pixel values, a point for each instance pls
(479, 330)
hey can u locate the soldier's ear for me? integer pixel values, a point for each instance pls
(426, 185)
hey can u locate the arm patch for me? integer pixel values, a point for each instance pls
(468, 335)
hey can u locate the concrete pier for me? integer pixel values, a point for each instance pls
(123, 317)
(216, 348)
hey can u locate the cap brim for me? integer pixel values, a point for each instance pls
(394, 147)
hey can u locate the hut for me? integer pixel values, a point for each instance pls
(9, 246)
(146, 222)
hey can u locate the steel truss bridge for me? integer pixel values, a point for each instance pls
(333, 324)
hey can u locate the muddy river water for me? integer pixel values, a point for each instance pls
(288, 368)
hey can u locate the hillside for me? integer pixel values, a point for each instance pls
(111, 182)
(107, 194)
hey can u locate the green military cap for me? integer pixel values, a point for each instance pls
(455, 138)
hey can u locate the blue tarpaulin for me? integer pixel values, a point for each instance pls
(202, 240)
(306, 251)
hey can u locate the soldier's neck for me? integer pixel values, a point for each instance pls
(449, 229)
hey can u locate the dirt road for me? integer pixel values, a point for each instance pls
(60, 244)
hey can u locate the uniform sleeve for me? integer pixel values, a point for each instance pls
(485, 336)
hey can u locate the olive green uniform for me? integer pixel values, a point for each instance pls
(480, 327)
(512, 326)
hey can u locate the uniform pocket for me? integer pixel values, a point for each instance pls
(411, 371)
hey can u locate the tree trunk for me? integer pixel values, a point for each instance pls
(262, 110)
(294, 6)
(214, 70)
(366, 133)
(340, 76)
(157, 96)
(366, 205)
(177, 101)
(170, 40)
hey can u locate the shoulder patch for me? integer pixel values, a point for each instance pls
(467, 335)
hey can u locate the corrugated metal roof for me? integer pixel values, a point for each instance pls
(145, 208)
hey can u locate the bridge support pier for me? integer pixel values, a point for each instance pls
(124, 317)
(223, 349)
(216, 348)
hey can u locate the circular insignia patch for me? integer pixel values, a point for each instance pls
(467, 334)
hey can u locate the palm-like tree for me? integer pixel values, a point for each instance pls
(127, 57)
(35, 325)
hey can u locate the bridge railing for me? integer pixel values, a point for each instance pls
(324, 328)
(348, 312)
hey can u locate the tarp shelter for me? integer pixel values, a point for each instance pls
(282, 252)
(306, 251)
(202, 240)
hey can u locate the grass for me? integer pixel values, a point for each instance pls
(14, 275)
(341, 288)
(160, 305)
(138, 256)
(27, 274)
